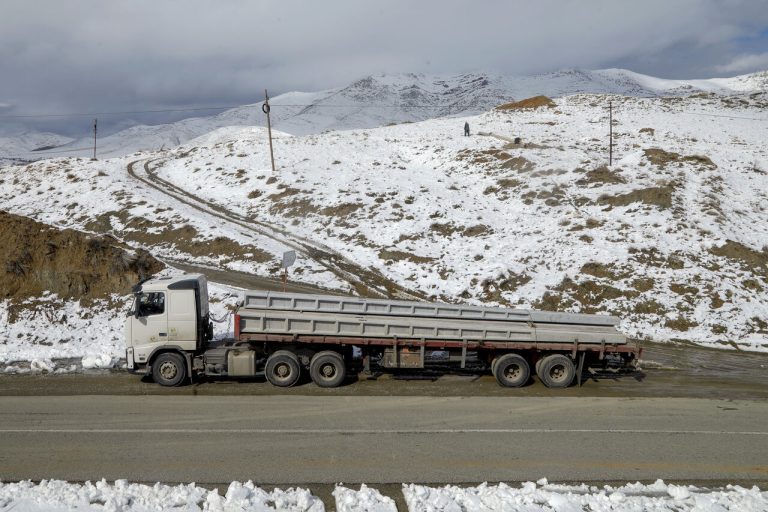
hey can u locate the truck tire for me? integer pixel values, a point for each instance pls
(557, 371)
(282, 369)
(511, 370)
(327, 369)
(169, 369)
(493, 365)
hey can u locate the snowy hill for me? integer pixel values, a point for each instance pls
(28, 145)
(390, 99)
(673, 237)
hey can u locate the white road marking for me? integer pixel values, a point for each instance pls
(369, 431)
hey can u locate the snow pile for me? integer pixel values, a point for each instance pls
(364, 500)
(59, 496)
(541, 496)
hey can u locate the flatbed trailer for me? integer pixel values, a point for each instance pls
(287, 335)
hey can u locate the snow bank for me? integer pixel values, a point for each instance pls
(364, 500)
(59, 496)
(541, 496)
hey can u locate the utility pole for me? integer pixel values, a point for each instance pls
(265, 109)
(610, 134)
(95, 123)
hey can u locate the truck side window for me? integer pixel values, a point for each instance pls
(152, 303)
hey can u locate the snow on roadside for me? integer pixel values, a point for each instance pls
(47, 329)
(364, 500)
(59, 496)
(541, 496)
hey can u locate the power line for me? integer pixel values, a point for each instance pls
(305, 105)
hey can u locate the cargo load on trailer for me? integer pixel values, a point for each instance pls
(285, 336)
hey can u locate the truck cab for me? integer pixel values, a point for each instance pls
(167, 324)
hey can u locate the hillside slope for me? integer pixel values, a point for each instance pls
(672, 237)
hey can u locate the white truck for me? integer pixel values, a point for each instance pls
(285, 336)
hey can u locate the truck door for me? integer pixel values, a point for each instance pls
(151, 326)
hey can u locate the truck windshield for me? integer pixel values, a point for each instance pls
(152, 303)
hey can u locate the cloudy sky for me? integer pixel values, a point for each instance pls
(82, 56)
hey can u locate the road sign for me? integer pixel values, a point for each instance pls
(289, 258)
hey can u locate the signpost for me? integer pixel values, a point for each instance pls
(289, 258)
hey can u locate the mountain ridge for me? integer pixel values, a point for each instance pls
(379, 100)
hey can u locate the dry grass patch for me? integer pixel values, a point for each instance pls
(600, 176)
(653, 196)
(341, 210)
(662, 158)
(395, 255)
(36, 258)
(750, 259)
(528, 103)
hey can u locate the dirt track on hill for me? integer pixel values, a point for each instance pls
(366, 282)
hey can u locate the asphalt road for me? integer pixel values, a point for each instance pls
(290, 440)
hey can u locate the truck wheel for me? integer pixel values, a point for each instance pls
(557, 371)
(169, 369)
(511, 370)
(282, 369)
(327, 369)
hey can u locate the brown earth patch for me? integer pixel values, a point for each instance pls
(477, 230)
(341, 210)
(493, 289)
(185, 239)
(643, 284)
(295, 208)
(37, 258)
(588, 295)
(601, 176)
(534, 102)
(750, 259)
(652, 257)
(604, 271)
(654, 196)
(395, 255)
(519, 164)
(662, 158)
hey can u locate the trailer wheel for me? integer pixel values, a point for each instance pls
(327, 369)
(511, 370)
(557, 371)
(169, 369)
(282, 369)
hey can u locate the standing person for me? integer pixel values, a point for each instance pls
(466, 129)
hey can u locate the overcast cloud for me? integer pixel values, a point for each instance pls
(86, 56)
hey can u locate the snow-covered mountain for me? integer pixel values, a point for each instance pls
(29, 145)
(390, 99)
